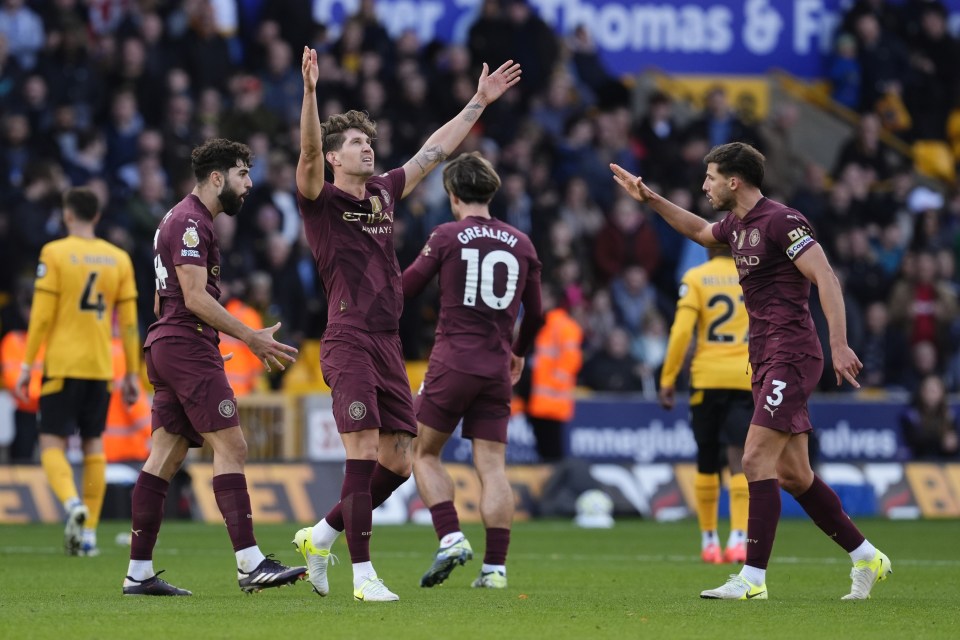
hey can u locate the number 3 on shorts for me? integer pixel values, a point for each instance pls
(777, 397)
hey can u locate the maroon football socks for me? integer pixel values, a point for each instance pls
(762, 521)
(445, 520)
(356, 505)
(382, 486)
(233, 499)
(149, 495)
(497, 542)
(823, 506)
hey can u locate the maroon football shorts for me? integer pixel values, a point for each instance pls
(448, 395)
(368, 377)
(781, 391)
(191, 392)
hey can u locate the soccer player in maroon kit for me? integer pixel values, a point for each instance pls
(777, 258)
(349, 226)
(486, 269)
(192, 399)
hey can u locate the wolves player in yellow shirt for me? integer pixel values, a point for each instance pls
(81, 280)
(721, 403)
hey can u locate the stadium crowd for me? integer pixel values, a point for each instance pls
(114, 94)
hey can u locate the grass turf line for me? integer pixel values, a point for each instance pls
(639, 578)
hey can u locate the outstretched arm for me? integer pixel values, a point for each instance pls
(447, 138)
(193, 280)
(687, 223)
(310, 165)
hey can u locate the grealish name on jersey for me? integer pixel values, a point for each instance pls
(476, 231)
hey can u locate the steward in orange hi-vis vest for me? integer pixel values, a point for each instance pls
(12, 348)
(557, 358)
(244, 371)
(127, 436)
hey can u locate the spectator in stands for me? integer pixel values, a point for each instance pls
(282, 86)
(23, 30)
(599, 321)
(865, 279)
(924, 306)
(204, 53)
(884, 350)
(627, 239)
(864, 149)
(929, 425)
(634, 298)
(882, 58)
(614, 368)
(719, 124)
(931, 88)
(783, 171)
(843, 72)
(533, 44)
(660, 139)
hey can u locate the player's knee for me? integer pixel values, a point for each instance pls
(755, 467)
(794, 481)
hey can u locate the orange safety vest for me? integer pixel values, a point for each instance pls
(12, 349)
(557, 357)
(244, 371)
(127, 435)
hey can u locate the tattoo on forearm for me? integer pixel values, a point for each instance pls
(472, 112)
(429, 157)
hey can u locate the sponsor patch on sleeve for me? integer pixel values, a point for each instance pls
(794, 249)
(189, 253)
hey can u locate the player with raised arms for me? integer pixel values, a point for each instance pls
(349, 227)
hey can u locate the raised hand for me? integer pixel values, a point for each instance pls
(311, 71)
(269, 351)
(631, 184)
(493, 85)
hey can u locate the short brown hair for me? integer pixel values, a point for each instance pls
(471, 178)
(738, 159)
(219, 154)
(331, 129)
(83, 202)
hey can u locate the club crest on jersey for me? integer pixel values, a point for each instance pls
(357, 410)
(227, 408)
(386, 196)
(191, 238)
(754, 237)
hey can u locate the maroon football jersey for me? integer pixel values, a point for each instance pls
(487, 268)
(185, 236)
(765, 243)
(352, 244)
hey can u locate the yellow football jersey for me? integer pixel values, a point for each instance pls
(88, 277)
(712, 301)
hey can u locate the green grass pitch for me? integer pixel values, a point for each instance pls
(639, 579)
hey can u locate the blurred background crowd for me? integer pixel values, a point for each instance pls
(114, 94)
